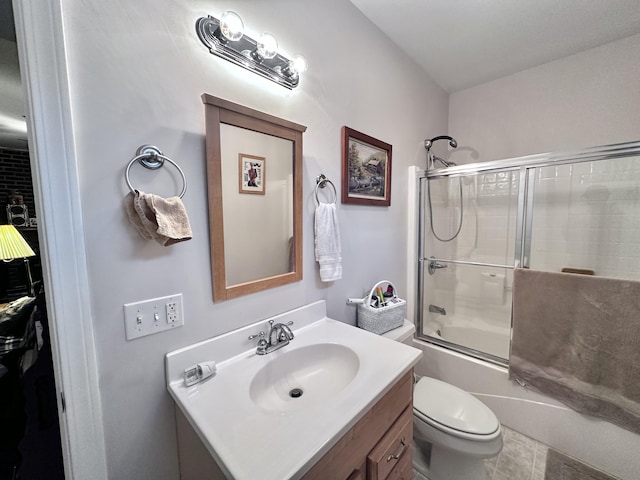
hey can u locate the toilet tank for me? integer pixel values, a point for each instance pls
(402, 334)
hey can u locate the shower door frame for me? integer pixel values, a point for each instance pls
(524, 217)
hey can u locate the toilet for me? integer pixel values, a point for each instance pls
(453, 431)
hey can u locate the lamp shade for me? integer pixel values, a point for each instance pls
(12, 244)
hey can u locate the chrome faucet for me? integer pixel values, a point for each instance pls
(278, 336)
(437, 309)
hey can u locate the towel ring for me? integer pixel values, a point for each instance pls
(321, 182)
(152, 158)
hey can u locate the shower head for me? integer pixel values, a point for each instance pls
(429, 142)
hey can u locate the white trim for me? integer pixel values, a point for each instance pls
(412, 235)
(40, 35)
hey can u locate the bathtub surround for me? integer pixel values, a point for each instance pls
(576, 339)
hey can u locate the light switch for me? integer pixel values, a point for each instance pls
(153, 316)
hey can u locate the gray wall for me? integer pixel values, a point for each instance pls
(137, 71)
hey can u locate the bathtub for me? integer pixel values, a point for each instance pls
(593, 441)
(477, 334)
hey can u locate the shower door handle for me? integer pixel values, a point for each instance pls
(434, 265)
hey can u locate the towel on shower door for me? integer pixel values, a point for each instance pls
(328, 249)
(576, 338)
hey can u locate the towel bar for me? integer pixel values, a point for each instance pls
(152, 158)
(466, 262)
(321, 182)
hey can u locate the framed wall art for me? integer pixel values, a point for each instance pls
(366, 169)
(251, 173)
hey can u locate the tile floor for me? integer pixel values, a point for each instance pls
(521, 458)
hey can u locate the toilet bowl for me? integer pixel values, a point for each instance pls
(453, 431)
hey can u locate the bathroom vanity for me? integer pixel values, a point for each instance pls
(350, 417)
(379, 446)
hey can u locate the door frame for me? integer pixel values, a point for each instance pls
(43, 67)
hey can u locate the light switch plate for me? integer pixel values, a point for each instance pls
(153, 316)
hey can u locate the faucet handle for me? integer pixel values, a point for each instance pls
(262, 342)
(260, 334)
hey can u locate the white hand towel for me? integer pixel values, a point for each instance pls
(327, 242)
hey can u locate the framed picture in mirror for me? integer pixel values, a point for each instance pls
(251, 173)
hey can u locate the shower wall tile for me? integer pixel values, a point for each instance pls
(590, 219)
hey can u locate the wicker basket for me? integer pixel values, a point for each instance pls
(382, 319)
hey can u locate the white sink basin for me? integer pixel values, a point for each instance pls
(244, 414)
(301, 377)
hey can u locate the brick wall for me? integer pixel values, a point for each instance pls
(15, 175)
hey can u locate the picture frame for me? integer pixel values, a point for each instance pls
(366, 169)
(251, 174)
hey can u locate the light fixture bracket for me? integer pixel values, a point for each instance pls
(241, 52)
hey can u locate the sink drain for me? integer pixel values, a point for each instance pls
(295, 393)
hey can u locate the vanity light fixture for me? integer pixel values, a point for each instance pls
(225, 38)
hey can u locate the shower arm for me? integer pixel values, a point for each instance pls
(431, 158)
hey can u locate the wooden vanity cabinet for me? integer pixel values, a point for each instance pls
(379, 446)
(367, 451)
(390, 454)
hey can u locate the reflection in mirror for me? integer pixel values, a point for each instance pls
(254, 178)
(257, 192)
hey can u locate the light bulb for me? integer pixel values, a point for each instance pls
(298, 64)
(231, 26)
(267, 46)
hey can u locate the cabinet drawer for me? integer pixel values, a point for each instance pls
(393, 448)
(403, 469)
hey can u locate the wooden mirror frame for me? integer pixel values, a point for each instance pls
(219, 111)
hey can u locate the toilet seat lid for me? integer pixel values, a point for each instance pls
(452, 407)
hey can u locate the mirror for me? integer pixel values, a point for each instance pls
(254, 179)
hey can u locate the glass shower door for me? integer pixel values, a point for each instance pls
(467, 251)
(585, 218)
(576, 212)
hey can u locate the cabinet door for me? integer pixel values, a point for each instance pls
(360, 473)
(395, 445)
(351, 450)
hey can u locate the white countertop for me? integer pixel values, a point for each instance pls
(249, 442)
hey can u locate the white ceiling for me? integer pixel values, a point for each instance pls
(13, 126)
(463, 43)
